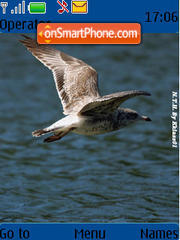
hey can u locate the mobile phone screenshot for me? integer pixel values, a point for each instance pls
(89, 120)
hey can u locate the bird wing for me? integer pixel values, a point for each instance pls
(109, 103)
(76, 82)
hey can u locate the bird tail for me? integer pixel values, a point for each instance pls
(57, 134)
(39, 132)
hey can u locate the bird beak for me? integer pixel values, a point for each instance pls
(145, 118)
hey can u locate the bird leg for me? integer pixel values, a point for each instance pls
(58, 136)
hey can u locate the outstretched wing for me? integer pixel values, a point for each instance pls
(76, 82)
(109, 103)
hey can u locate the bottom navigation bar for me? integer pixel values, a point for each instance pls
(89, 231)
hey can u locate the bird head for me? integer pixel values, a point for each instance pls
(127, 116)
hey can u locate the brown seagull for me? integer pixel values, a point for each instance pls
(87, 112)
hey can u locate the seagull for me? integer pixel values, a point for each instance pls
(86, 112)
